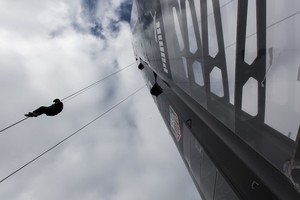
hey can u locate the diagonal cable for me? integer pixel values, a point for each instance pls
(14, 124)
(68, 137)
(73, 95)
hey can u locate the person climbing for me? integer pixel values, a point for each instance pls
(52, 110)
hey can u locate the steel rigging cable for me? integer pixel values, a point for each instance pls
(71, 135)
(75, 94)
(14, 124)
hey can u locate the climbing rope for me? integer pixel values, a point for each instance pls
(71, 135)
(13, 124)
(75, 94)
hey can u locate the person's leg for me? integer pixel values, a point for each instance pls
(41, 110)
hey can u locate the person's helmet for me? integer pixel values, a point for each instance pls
(56, 100)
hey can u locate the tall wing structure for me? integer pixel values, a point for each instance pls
(225, 75)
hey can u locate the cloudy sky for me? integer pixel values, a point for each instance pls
(50, 49)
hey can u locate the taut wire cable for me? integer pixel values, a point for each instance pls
(75, 94)
(14, 124)
(68, 137)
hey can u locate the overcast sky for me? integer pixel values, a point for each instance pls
(50, 49)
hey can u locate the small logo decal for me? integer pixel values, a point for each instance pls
(174, 122)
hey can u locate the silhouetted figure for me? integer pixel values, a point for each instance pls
(156, 90)
(141, 66)
(52, 110)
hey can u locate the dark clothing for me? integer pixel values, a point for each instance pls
(52, 110)
(156, 90)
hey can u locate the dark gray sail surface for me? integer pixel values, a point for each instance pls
(225, 77)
